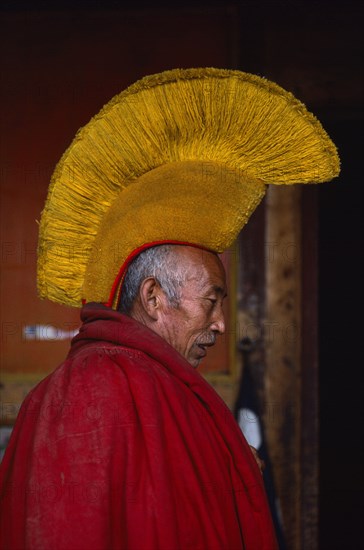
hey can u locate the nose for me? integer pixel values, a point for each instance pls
(218, 323)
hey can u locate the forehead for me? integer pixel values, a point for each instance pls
(203, 269)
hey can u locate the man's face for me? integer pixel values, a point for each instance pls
(193, 325)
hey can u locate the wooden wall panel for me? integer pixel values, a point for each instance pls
(283, 354)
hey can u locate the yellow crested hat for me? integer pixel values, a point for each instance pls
(183, 156)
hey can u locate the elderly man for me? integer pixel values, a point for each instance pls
(178, 292)
(125, 445)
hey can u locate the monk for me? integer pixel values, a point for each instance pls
(125, 446)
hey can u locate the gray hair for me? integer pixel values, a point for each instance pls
(159, 262)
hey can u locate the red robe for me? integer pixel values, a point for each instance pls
(126, 446)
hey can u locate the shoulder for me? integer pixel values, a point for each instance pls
(108, 363)
(88, 384)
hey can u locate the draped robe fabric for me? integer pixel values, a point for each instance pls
(126, 446)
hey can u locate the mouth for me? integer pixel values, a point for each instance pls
(201, 350)
(202, 347)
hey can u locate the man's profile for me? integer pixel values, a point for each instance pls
(125, 445)
(186, 308)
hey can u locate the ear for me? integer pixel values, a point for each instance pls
(151, 297)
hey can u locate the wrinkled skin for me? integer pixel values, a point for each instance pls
(193, 325)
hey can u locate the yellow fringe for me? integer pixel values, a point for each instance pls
(228, 117)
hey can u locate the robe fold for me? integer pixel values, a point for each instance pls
(126, 446)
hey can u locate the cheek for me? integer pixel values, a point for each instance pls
(182, 335)
(195, 332)
(184, 339)
(186, 328)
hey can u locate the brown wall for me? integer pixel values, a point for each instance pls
(60, 68)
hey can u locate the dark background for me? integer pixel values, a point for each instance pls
(340, 339)
(331, 54)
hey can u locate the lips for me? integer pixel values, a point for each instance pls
(203, 345)
(202, 350)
